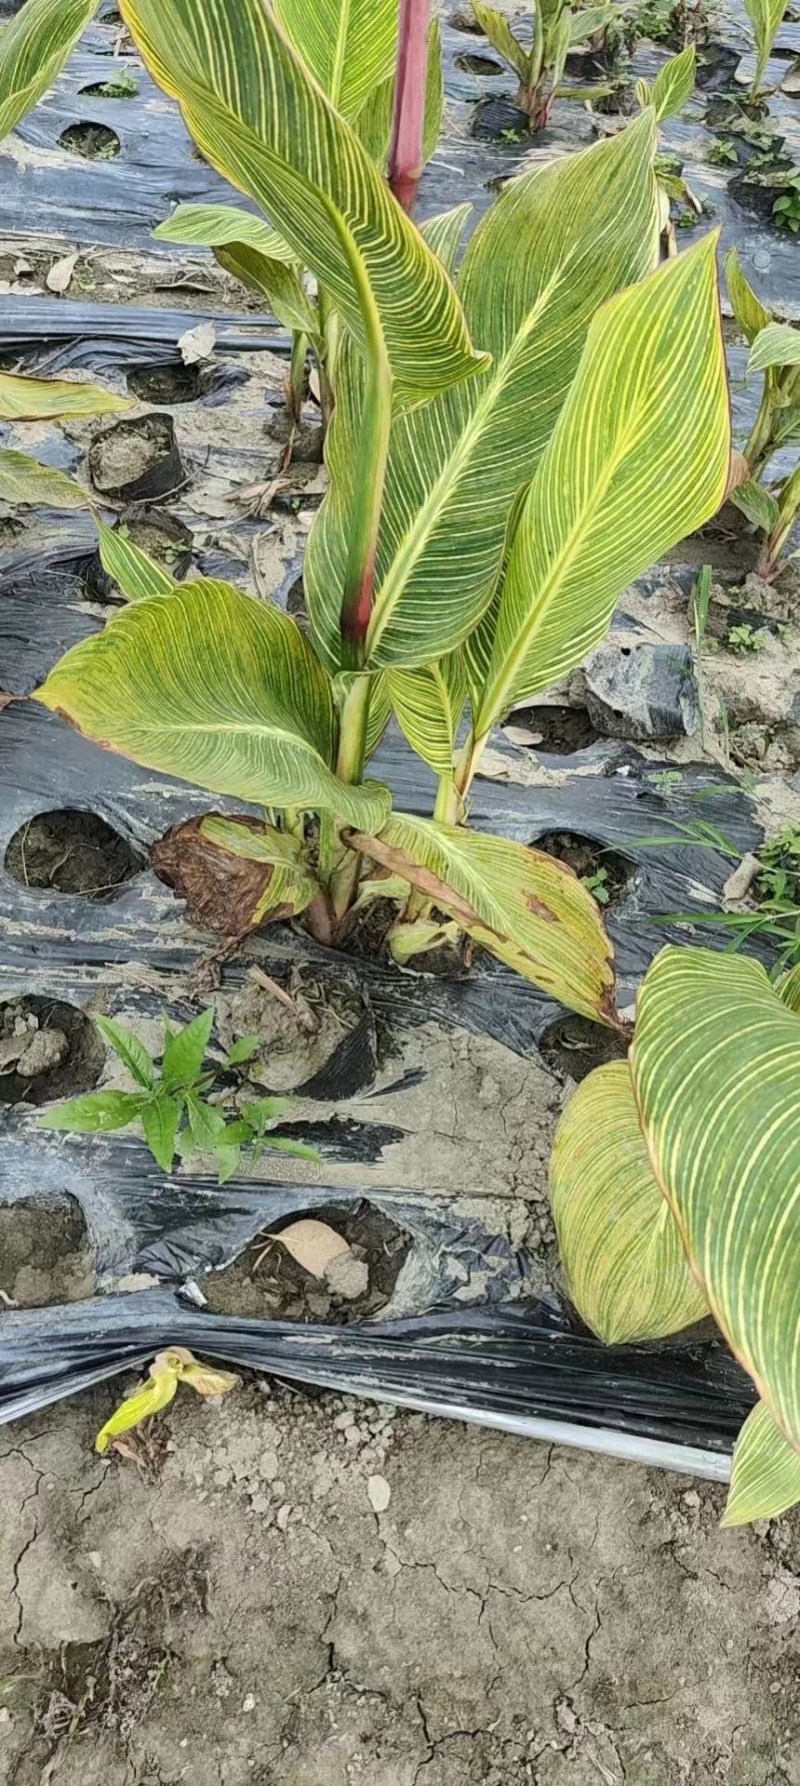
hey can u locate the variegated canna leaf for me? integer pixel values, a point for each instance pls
(619, 1242)
(765, 1480)
(765, 17)
(349, 45)
(756, 503)
(33, 50)
(234, 874)
(522, 905)
(775, 345)
(495, 26)
(674, 84)
(250, 107)
(443, 233)
(428, 704)
(216, 688)
(137, 577)
(583, 25)
(590, 224)
(715, 1065)
(247, 247)
(748, 309)
(638, 459)
(25, 399)
(23, 480)
(373, 125)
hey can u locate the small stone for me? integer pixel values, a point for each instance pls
(347, 1277)
(343, 1420)
(46, 1050)
(260, 1504)
(5, 1715)
(95, 1558)
(282, 1516)
(269, 1466)
(249, 1702)
(691, 1498)
(378, 1493)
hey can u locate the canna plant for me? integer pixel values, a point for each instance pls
(507, 451)
(33, 48)
(774, 351)
(765, 16)
(556, 30)
(352, 51)
(674, 1185)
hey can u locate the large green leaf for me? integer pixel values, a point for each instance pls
(524, 906)
(638, 459)
(674, 84)
(559, 241)
(349, 45)
(715, 1064)
(137, 577)
(219, 689)
(247, 247)
(373, 125)
(765, 17)
(251, 108)
(495, 26)
(33, 50)
(619, 1242)
(428, 704)
(23, 480)
(765, 1479)
(776, 345)
(37, 399)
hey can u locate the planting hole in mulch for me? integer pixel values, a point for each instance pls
(165, 539)
(323, 1047)
(573, 1046)
(94, 142)
(71, 851)
(465, 21)
(137, 460)
(605, 871)
(45, 1255)
(166, 384)
(478, 65)
(48, 1050)
(557, 730)
(278, 1288)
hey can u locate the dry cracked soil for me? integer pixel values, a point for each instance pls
(280, 1589)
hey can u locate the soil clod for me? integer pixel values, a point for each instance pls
(45, 1255)
(48, 1050)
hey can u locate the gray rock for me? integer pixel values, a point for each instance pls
(640, 690)
(46, 1050)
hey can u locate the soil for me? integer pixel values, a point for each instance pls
(45, 1255)
(130, 451)
(557, 730)
(278, 1288)
(225, 1605)
(573, 1046)
(68, 1062)
(94, 142)
(72, 852)
(588, 858)
(324, 1048)
(166, 384)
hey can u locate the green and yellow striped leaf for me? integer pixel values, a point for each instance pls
(522, 905)
(247, 247)
(788, 989)
(33, 50)
(257, 118)
(638, 459)
(443, 233)
(428, 705)
(715, 1065)
(216, 688)
(619, 1242)
(583, 25)
(674, 84)
(765, 17)
(137, 577)
(23, 480)
(765, 1479)
(756, 503)
(25, 399)
(748, 310)
(559, 242)
(373, 125)
(775, 345)
(349, 45)
(495, 26)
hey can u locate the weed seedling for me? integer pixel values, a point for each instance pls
(786, 209)
(123, 86)
(597, 885)
(744, 640)
(173, 1104)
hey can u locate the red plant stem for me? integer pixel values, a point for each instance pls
(405, 153)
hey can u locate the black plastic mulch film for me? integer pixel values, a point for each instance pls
(459, 1336)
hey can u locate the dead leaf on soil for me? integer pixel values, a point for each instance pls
(60, 275)
(197, 343)
(313, 1244)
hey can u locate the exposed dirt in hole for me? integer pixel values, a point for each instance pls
(279, 1289)
(133, 452)
(166, 384)
(306, 436)
(324, 1046)
(45, 1256)
(236, 1610)
(609, 871)
(72, 852)
(573, 1046)
(94, 142)
(559, 730)
(48, 1050)
(475, 64)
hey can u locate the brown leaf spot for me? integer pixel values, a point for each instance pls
(422, 878)
(539, 909)
(223, 892)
